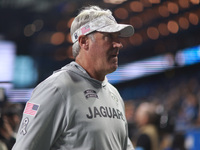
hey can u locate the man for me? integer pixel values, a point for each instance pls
(76, 108)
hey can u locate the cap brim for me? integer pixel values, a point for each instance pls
(125, 30)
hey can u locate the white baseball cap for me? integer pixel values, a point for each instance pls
(104, 23)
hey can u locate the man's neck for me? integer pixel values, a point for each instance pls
(91, 70)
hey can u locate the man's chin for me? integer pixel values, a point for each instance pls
(113, 68)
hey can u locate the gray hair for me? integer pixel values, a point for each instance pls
(86, 15)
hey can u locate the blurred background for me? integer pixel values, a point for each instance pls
(159, 64)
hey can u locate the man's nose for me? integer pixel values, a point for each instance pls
(117, 45)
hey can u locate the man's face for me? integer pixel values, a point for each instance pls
(104, 50)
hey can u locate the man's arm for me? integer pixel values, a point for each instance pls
(42, 120)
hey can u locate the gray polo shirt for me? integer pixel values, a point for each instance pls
(72, 111)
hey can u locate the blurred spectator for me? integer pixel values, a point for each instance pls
(130, 112)
(178, 142)
(190, 108)
(9, 124)
(3, 146)
(146, 119)
(179, 101)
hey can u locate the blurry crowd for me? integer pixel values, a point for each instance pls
(161, 120)
(10, 117)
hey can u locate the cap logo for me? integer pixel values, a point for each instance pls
(85, 29)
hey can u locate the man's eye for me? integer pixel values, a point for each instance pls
(111, 36)
(108, 35)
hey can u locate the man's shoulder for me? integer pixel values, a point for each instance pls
(111, 87)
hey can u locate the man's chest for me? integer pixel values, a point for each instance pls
(97, 110)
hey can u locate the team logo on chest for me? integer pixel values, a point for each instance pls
(90, 93)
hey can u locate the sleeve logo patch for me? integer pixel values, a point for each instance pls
(24, 125)
(31, 109)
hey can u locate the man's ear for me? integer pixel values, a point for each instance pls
(83, 42)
